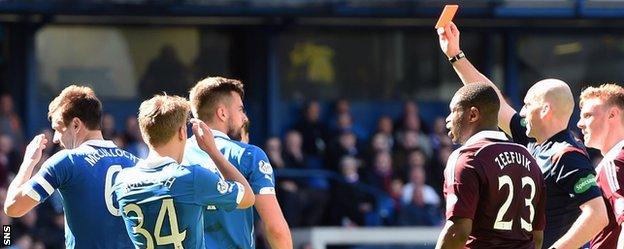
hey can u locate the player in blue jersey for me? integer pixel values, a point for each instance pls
(162, 202)
(83, 173)
(218, 102)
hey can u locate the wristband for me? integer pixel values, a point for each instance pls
(457, 57)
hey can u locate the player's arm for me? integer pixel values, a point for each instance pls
(18, 202)
(449, 43)
(205, 140)
(462, 198)
(592, 220)
(455, 233)
(538, 238)
(275, 226)
(577, 176)
(260, 174)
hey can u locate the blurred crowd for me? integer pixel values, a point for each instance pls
(401, 160)
(390, 176)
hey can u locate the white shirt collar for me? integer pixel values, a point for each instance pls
(217, 133)
(154, 161)
(614, 151)
(100, 143)
(486, 134)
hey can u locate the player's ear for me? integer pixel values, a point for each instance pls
(545, 110)
(182, 132)
(221, 112)
(75, 123)
(474, 114)
(614, 112)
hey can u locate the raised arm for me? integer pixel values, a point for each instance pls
(17, 201)
(205, 140)
(449, 43)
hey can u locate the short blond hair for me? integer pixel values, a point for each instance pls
(160, 118)
(610, 94)
(209, 92)
(77, 102)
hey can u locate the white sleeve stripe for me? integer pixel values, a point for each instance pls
(241, 192)
(612, 176)
(267, 191)
(33, 194)
(451, 163)
(44, 183)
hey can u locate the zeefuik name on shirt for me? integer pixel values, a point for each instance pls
(93, 158)
(505, 158)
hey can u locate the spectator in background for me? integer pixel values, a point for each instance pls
(133, 138)
(9, 159)
(341, 107)
(10, 122)
(385, 127)
(350, 206)
(435, 173)
(166, 73)
(439, 135)
(420, 202)
(314, 190)
(412, 125)
(108, 126)
(345, 145)
(293, 154)
(287, 189)
(381, 174)
(407, 142)
(314, 132)
(410, 110)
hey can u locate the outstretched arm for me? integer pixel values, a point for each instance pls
(449, 43)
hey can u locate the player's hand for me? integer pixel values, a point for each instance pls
(204, 136)
(35, 148)
(449, 39)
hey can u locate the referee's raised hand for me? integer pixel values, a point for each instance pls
(449, 39)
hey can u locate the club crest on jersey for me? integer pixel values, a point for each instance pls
(222, 186)
(265, 167)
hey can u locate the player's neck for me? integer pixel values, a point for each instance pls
(219, 126)
(92, 135)
(170, 149)
(549, 131)
(611, 140)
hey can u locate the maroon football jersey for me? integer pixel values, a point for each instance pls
(500, 187)
(610, 177)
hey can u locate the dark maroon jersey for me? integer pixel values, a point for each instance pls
(500, 187)
(610, 179)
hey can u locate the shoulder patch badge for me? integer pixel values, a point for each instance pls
(265, 167)
(222, 186)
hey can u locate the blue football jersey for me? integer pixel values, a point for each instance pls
(162, 202)
(84, 177)
(233, 229)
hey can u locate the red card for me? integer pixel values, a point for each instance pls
(447, 15)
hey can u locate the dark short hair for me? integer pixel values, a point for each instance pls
(483, 97)
(77, 102)
(209, 92)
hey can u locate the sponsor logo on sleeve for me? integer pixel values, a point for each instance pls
(585, 184)
(265, 167)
